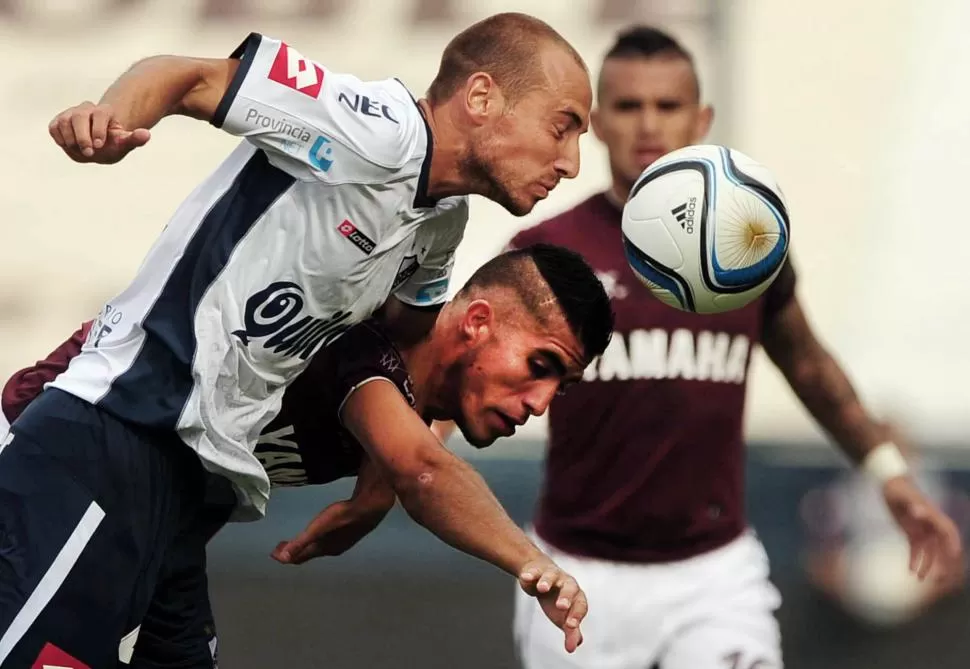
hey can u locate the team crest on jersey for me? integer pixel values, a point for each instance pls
(293, 70)
(273, 316)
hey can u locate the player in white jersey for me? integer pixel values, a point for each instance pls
(344, 196)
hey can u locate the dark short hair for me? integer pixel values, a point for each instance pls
(642, 41)
(566, 276)
(504, 46)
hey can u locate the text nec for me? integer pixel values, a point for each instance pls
(364, 105)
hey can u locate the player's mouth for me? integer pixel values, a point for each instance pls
(647, 155)
(508, 424)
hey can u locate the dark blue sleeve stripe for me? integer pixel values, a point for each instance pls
(244, 53)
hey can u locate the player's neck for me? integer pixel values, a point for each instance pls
(617, 194)
(422, 368)
(445, 178)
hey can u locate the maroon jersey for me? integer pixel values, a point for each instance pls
(28, 383)
(645, 460)
(305, 443)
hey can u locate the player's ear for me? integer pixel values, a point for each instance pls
(483, 98)
(594, 123)
(705, 119)
(478, 321)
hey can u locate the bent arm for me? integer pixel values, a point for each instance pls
(162, 86)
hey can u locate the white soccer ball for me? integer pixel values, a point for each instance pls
(706, 229)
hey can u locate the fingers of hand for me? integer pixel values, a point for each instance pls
(281, 554)
(551, 576)
(568, 589)
(574, 637)
(100, 119)
(577, 612)
(81, 127)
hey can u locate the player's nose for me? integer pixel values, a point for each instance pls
(649, 121)
(540, 397)
(567, 165)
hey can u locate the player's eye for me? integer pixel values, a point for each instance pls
(669, 105)
(539, 369)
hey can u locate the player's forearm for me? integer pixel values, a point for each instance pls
(827, 393)
(343, 524)
(452, 500)
(152, 89)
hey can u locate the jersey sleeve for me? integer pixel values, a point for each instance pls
(363, 354)
(781, 291)
(315, 123)
(428, 286)
(24, 386)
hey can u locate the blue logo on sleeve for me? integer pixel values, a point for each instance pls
(321, 154)
(431, 292)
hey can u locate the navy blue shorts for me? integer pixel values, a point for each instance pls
(178, 630)
(90, 507)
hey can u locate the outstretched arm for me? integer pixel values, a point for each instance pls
(825, 390)
(448, 497)
(819, 381)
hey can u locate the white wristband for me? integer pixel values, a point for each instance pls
(885, 462)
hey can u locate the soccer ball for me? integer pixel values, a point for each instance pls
(706, 229)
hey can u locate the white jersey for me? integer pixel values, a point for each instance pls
(305, 229)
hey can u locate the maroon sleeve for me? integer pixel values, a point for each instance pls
(21, 389)
(365, 352)
(781, 291)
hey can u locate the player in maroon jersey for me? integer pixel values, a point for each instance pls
(643, 497)
(523, 327)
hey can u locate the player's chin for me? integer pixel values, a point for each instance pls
(481, 440)
(520, 204)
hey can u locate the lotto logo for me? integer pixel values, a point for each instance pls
(359, 239)
(52, 657)
(293, 70)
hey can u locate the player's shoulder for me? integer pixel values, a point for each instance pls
(563, 228)
(378, 121)
(364, 351)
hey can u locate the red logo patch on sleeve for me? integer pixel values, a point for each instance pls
(52, 657)
(293, 70)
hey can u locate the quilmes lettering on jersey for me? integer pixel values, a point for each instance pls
(302, 231)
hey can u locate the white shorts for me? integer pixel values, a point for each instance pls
(713, 611)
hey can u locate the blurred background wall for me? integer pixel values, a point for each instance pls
(858, 107)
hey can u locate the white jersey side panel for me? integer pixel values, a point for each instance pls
(279, 251)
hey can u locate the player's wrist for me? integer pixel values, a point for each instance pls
(884, 462)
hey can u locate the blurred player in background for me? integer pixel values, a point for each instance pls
(856, 555)
(521, 329)
(643, 495)
(344, 195)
